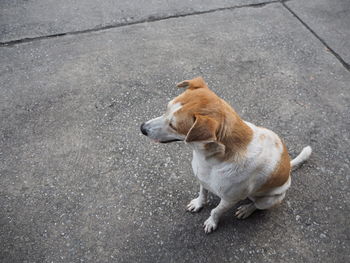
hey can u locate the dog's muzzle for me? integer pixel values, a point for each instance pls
(146, 132)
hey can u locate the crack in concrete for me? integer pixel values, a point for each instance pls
(340, 59)
(151, 18)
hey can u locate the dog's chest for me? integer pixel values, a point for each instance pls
(226, 180)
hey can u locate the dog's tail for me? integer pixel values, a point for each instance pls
(302, 157)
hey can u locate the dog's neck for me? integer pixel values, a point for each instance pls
(235, 136)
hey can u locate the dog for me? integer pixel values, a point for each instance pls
(232, 158)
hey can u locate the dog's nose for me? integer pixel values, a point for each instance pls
(143, 130)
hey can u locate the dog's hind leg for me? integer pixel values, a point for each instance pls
(245, 210)
(196, 204)
(266, 202)
(261, 203)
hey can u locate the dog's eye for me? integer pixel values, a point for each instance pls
(172, 126)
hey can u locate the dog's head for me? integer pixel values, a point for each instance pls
(195, 115)
(199, 117)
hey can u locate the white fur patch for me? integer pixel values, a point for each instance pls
(173, 108)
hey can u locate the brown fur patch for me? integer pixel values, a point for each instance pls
(232, 132)
(281, 173)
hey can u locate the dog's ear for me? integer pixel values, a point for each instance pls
(195, 83)
(214, 149)
(203, 129)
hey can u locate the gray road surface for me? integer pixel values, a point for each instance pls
(79, 183)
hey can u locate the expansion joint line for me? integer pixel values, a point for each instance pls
(152, 18)
(341, 60)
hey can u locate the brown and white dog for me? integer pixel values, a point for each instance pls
(232, 158)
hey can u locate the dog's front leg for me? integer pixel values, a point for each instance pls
(212, 222)
(196, 204)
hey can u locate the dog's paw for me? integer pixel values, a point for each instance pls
(210, 225)
(195, 205)
(245, 210)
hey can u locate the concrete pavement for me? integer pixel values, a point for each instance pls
(21, 20)
(329, 20)
(79, 183)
